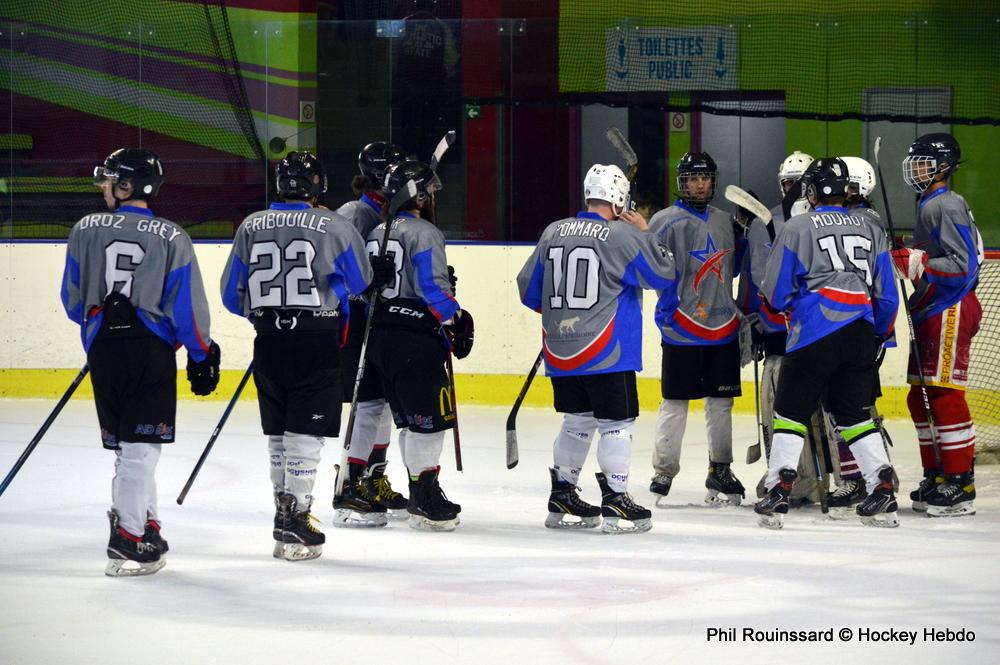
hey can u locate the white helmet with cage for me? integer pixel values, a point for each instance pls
(607, 183)
(860, 175)
(792, 168)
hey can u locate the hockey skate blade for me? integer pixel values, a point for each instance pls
(881, 520)
(773, 521)
(558, 521)
(400, 515)
(611, 526)
(129, 568)
(424, 524)
(716, 498)
(279, 551)
(841, 513)
(966, 509)
(300, 552)
(347, 518)
(661, 501)
(920, 506)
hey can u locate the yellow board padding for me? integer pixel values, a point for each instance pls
(480, 389)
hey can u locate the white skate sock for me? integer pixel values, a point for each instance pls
(366, 429)
(786, 448)
(719, 426)
(869, 451)
(302, 454)
(671, 421)
(135, 466)
(402, 447)
(423, 451)
(276, 451)
(614, 452)
(572, 444)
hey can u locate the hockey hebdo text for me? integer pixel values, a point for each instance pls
(859, 634)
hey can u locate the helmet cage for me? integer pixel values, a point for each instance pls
(919, 171)
(683, 180)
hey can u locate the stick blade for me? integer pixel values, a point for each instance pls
(512, 456)
(442, 147)
(743, 199)
(878, 146)
(621, 144)
(753, 453)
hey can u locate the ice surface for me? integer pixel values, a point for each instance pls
(500, 589)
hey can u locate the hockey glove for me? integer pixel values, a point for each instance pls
(204, 376)
(461, 332)
(453, 280)
(383, 271)
(909, 263)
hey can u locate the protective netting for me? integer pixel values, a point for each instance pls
(870, 60)
(984, 370)
(81, 81)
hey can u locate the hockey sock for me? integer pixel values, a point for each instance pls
(866, 444)
(614, 451)
(302, 453)
(953, 423)
(786, 448)
(366, 427)
(719, 425)
(849, 469)
(671, 420)
(402, 447)
(423, 451)
(572, 445)
(276, 450)
(135, 466)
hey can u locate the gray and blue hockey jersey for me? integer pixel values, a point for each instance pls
(149, 260)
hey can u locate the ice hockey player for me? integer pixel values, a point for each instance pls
(830, 273)
(290, 271)
(943, 263)
(417, 323)
(699, 331)
(132, 284)
(368, 496)
(585, 278)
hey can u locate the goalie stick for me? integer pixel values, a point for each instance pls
(618, 140)
(914, 349)
(745, 200)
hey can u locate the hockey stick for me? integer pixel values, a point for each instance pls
(512, 451)
(442, 147)
(914, 349)
(407, 192)
(454, 410)
(745, 200)
(215, 435)
(43, 429)
(619, 141)
(753, 452)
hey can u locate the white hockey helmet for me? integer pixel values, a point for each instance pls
(607, 183)
(860, 174)
(792, 168)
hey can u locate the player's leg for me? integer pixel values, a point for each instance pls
(679, 383)
(394, 502)
(720, 374)
(569, 452)
(768, 386)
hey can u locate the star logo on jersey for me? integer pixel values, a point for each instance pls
(711, 260)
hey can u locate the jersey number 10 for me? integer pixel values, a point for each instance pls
(573, 272)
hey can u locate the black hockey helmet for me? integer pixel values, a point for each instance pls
(295, 174)
(930, 155)
(376, 158)
(141, 168)
(423, 177)
(696, 164)
(826, 178)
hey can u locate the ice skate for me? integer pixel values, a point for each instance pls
(128, 555)
(721, 481)
(774, 506)
(660, 485)
(933, 478)
(844, 497)
(281, 506)
(301, 539)
(565, 504)
(429, 508)
(394, 502)
(356, 505)
(616, 506)
(955, 497)
(880, 509)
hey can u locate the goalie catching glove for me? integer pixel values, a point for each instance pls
(909, 263)
(461, 332)
(204, 375)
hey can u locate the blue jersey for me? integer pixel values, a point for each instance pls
(826, 269)
(585, 277)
